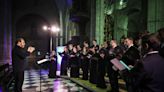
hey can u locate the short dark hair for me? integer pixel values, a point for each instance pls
(130, 38)
(152, 40)
(95, 40)
(18, 40)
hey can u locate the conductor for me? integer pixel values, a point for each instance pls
(19, 54)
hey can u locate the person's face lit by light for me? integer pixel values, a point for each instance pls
(113, 43)
(74, 49)
(65, 49)
(94, 42)
(78, 47)
(21, 43)
(86, 44)
(70, 46)
(53, 53)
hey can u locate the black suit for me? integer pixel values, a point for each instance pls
(18, 62)
(152, 78)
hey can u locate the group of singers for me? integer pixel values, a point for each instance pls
(145, 59)
(95, 62)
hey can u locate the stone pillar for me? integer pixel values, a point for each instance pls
(100, 21)
(155, 15)
(5, 31)
(92, 19)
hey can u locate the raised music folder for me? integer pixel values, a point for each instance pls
(119, 64)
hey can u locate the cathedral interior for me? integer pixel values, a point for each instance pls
(77, 20)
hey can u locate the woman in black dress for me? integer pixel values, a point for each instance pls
(74, 63)
(64, 62)
(53, 65)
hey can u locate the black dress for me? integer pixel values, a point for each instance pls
(74, 65)
(93, 68)
(64, 63)
(85, 66)
(53, 67)
(101, 73)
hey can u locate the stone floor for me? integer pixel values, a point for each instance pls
(37, 81)
(34, 82)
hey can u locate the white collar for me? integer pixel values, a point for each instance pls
(151, 52)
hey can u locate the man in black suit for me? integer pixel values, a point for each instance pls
(151, 78)
(19, 54)
(147, 73)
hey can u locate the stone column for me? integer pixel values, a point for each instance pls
(155, 15)
(99, 21)
(5, 31)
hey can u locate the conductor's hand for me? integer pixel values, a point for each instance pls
(30, 49)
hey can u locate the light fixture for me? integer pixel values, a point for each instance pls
(55, 29)
(45, 28)
(121, 2)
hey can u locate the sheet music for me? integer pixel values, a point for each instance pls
(42, 61)
(119, 64)
(127, 67)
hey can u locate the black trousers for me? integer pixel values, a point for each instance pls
(113, 78)
(19, 78)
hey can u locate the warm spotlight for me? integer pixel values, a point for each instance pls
(45, 28)
(55, 29)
